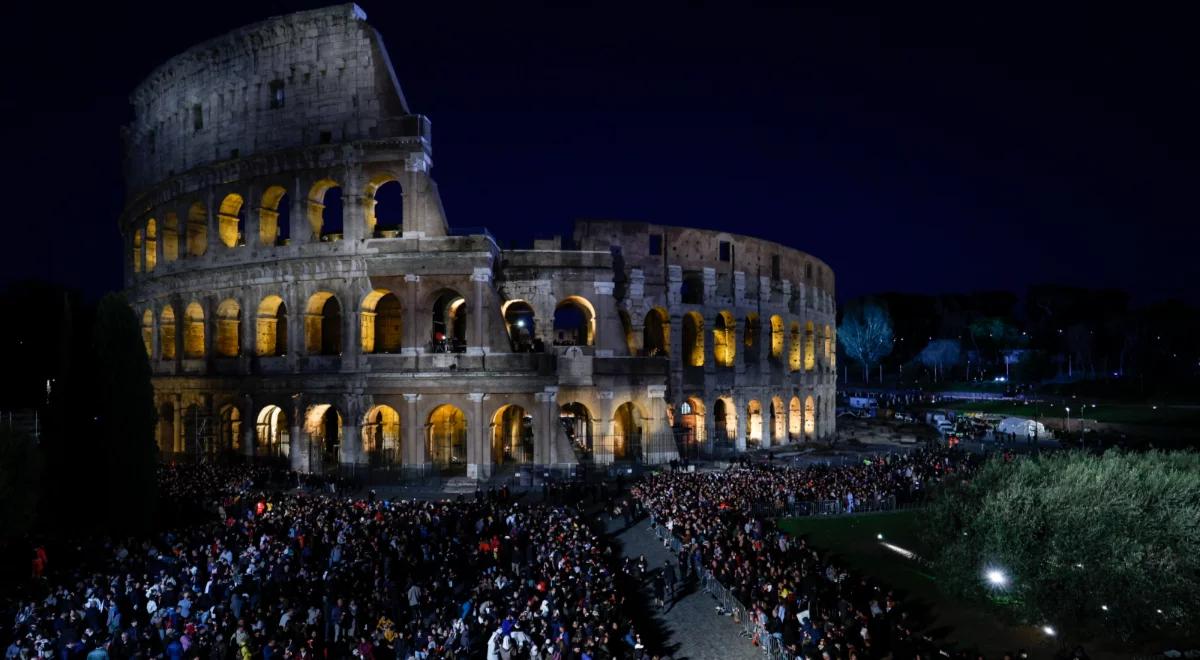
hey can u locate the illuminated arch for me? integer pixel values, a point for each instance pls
(810, 418)
(752, 333)
(777, 337)
(691, 420)
(323, 325)
(151, 244)
(166, 333)
(512, 436)
(271, 328)
(448, 332)
(193, 331)
(231, 222)
(381, 436)
(628, 425)
(693, 339)
(170, 237)
(579, 425)
(324, 208)
(810, 347)
(574, 322)
(230, 436)
(724, 339)
(392, 212)
(725, 419)
(656, 332)
(521, 323)
(381, 322)
(754, 424)
(148, 332)
(272, 434)
(794, 348)
(795, 419)
(197, 230)
(446, 437)
(778, 421)
(323, 424)
(136, 253)
(229, 328)
(272, 209)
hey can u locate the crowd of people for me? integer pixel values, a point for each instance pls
(810, 605)
(282, 573)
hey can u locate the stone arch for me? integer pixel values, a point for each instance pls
(148, 332)
(166, 427)
(724, 339)
(272, 435)
(795, 419)
(752, 333)
(170, 237)
(692, 422)
(511, 435)
(166, 333)
(725, 420)
(383, 205)
(323, 424)
(193, 331)
(778, 421)
(627, 430)
(448, 332)
(579, 425)
(776, 337)
(446, 438)
(381, 436)
(754, 424)
(229, 328)
(810, 418)
(325, 209)
(656, 332)
(810, 347)
(229, 436)
(574, 322)
(381, 322)
(794, 348)
(521, 322)
(323, 325)
(151, 244)
(231, 220)
(274, 217)
(136, 250)
(693, 339)
(197, 230)
(830, 348)
(271, 328)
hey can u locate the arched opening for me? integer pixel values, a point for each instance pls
(724, 339)
(274, 217)
(380, 323)
(627, 432)
(381, 436)
(522, 326)
(752, 331)
(270, 336)
(693, 339)
(795, 419)
(577, 423)
(170, 237)
(325, 210)
(810, 346)
(148, 332)
(691, 423)
(725, 419)
(323, 423)
(512, 436)
(166, 333)
(197, 230)
(166, 427)
(229, 328)
(323, 325)
(151, 244)
(691, 289)
(193, 332)
(198, 432)
(754, 425)
(136, 250)
(794, 348)
(449, 331)
(383, 206)
(446, 438)
(574, 322)
(656, 332)
(231, 428)
(810, 418)
(778, 421)
(830, 348)
(776, 337)
(272, 437)
(231, 220)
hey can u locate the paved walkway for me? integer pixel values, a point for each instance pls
(693, 629)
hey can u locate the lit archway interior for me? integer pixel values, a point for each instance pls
(627, 432)
(693, 339)
(794, 348)
(229, 328)
(323, 325)
(725, 419)
(231, 428)
(381, 436)
(272, 433)
(166, 333)
(197, 230)
(136, 253)
(578, 424)
(795, 418)
(270, 333)
(446, 438)
(449, 331)
(512, 436)
(231, 220)
(193, 334)
(691, 420)
(656, 332)
(752, 329)
(383, 205)
(754, 424)
(148, 332)
(151, 244)
(724, 339)
(522, 325)
(810, 346)
(810, 418)
(325, 210)
(574, 322)
(777, 337)
(323, 424)
(381, 322)
(778, 421)
(170, 237)
(274, 217)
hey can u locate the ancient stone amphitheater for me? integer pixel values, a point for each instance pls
(303, 297)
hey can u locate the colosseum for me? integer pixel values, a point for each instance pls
(304, 298)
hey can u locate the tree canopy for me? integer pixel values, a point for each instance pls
(866, 334)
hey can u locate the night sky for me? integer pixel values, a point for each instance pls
(929, 152)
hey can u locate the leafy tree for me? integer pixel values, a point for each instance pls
(20, 472)
(940, 354)
(1086, 542)
(866, 334)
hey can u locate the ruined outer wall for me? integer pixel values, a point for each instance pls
(218, 100)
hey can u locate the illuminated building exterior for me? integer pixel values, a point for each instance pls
(288, 316)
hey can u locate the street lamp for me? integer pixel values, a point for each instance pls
(1068, 419)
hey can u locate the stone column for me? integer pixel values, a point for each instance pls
(477, 343)
(604, 315)
(351, 342)
(602, 432)
(249, 421)
(350, 452)
(247, 329)
(295, 322)
(743, 420)
(250, 205)
(545, 443)
(214, 227)
(297, 444)
(639, 336)
(177, 423)
(710, 286)
(414, 343)
(412, 444)
(657, 444)
(299, 229)
(479, 455)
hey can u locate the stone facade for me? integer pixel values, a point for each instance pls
(279, 327)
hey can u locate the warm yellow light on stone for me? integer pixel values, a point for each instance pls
(693, 339)
(810, 348)
(794, 348)
(776, 337)
(724, 339)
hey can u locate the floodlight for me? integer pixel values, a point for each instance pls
(996, 577)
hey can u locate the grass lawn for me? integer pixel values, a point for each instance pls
(1142, 414)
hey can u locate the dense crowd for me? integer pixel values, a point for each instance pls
(289, 574)
(812, 606)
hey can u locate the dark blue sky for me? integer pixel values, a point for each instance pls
(923, 152)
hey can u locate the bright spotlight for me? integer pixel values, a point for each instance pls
(996, 577)
(1049, 630)
(879, 536)
(1104, 607)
